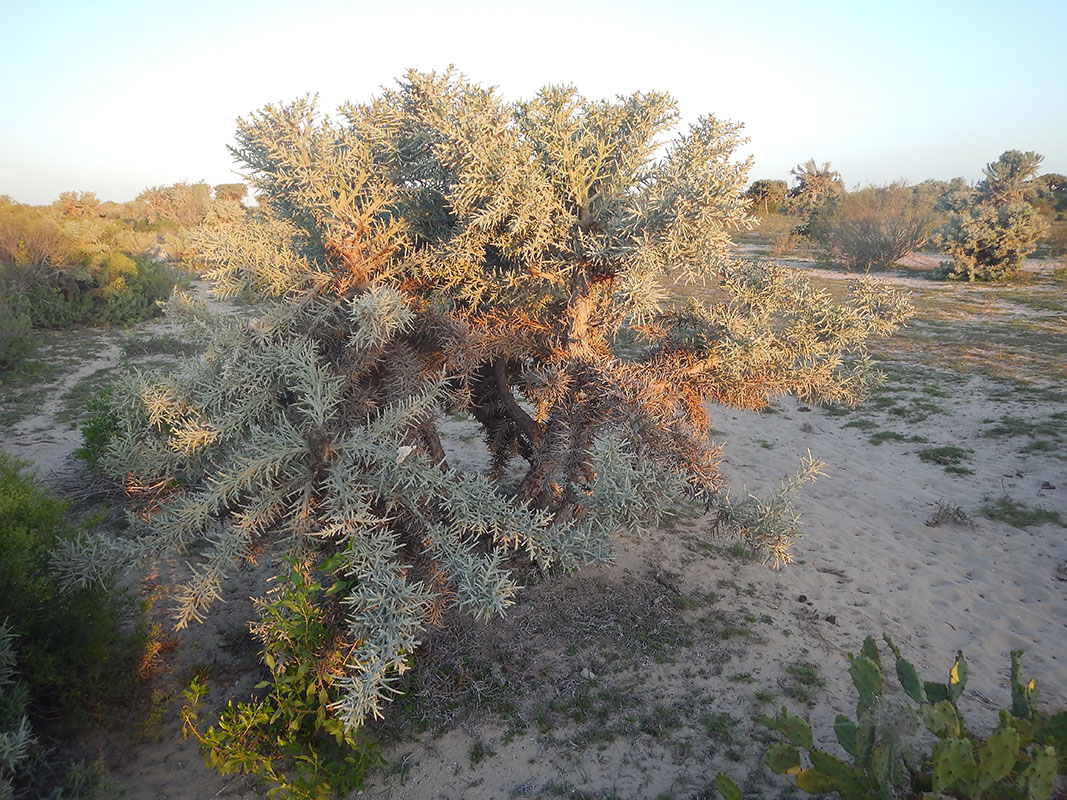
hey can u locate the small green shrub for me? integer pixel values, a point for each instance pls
(103, 288)
(98, 429)
(71, 655)
(15, 332)
(889, 757)
(289, 738)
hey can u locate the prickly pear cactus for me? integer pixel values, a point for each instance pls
(1019, 760)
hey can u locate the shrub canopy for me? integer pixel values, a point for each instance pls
(437, 249)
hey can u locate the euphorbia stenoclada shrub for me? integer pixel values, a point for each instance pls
(440, 250)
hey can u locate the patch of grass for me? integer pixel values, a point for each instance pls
(893, 436)
(24, 387)
(1009, 425)
(741, 677)
(479, 752)
(74, 406)
(932, 390)
(660, 720)
(742, 552)
(1042, 446)
(862, 424)
(916, 410)
(1019, 515)
(803, 681)
(720, 726)
(946, 456)
(836, 411)
(765, 696)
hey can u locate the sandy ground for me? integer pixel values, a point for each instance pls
(642, 678)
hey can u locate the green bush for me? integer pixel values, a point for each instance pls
(74, 271)
(290, 739)
(71, 655)
(15, 333)
(890, 758)
(98, 429)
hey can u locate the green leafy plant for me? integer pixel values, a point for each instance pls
(889, 757)
(99, 428)
(289, 738)
(72, 657)
(15, 327)
(63, 656)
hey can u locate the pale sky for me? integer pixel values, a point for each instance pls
(112, 96)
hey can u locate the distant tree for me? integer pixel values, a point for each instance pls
(767, 194)
(872, 228)
(231, 192)
(992, 228)
(1009, 179)
(1051, 191)
(77, 204)
(815, 185)
(185, 204)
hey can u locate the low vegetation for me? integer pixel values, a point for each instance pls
(873, 228)
(889, 756)
(66, 656)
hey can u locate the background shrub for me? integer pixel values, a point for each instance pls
(994, 226)
(872, 228)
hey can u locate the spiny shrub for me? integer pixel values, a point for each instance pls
(440, 250)
(890, 757)
(288, 738)
(992, 227)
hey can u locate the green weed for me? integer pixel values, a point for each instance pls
(945, 456)
(1019, 515)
